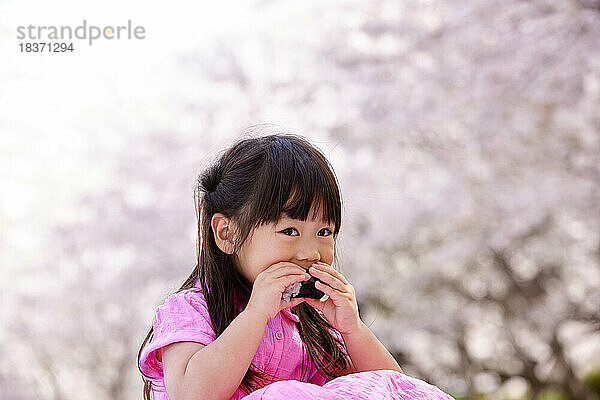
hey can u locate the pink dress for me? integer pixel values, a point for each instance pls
(184, 317)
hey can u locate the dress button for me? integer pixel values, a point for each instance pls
(279, 335)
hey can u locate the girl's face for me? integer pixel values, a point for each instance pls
(292, 240)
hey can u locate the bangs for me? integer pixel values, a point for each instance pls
(293, 181)
(298, 205)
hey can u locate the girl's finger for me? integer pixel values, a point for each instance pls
(333, 271)
(290, 279)
(328, 290)
(288, 270)
(327, 278)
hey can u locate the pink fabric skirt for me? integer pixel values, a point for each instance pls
(380, 385)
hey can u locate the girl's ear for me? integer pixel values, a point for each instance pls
(223, 231)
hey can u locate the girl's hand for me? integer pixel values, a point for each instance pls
(269, 285)
(340, 309)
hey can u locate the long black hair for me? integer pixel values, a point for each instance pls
(254, 182)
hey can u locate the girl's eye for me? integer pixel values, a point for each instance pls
(289, 229)
(329, 230)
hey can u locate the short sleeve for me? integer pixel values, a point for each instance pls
(183, 317)
(318, 378)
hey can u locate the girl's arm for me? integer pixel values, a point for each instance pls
(367, 352)
(216, 371)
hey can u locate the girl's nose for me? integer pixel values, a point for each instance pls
(309, 256)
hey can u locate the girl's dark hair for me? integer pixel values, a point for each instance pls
(253, 182)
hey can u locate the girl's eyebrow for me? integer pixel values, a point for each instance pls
(286, 218)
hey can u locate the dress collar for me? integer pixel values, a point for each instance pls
(288, 313)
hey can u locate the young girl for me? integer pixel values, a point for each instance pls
(269, 214)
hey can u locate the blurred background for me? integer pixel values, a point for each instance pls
(465, 135)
